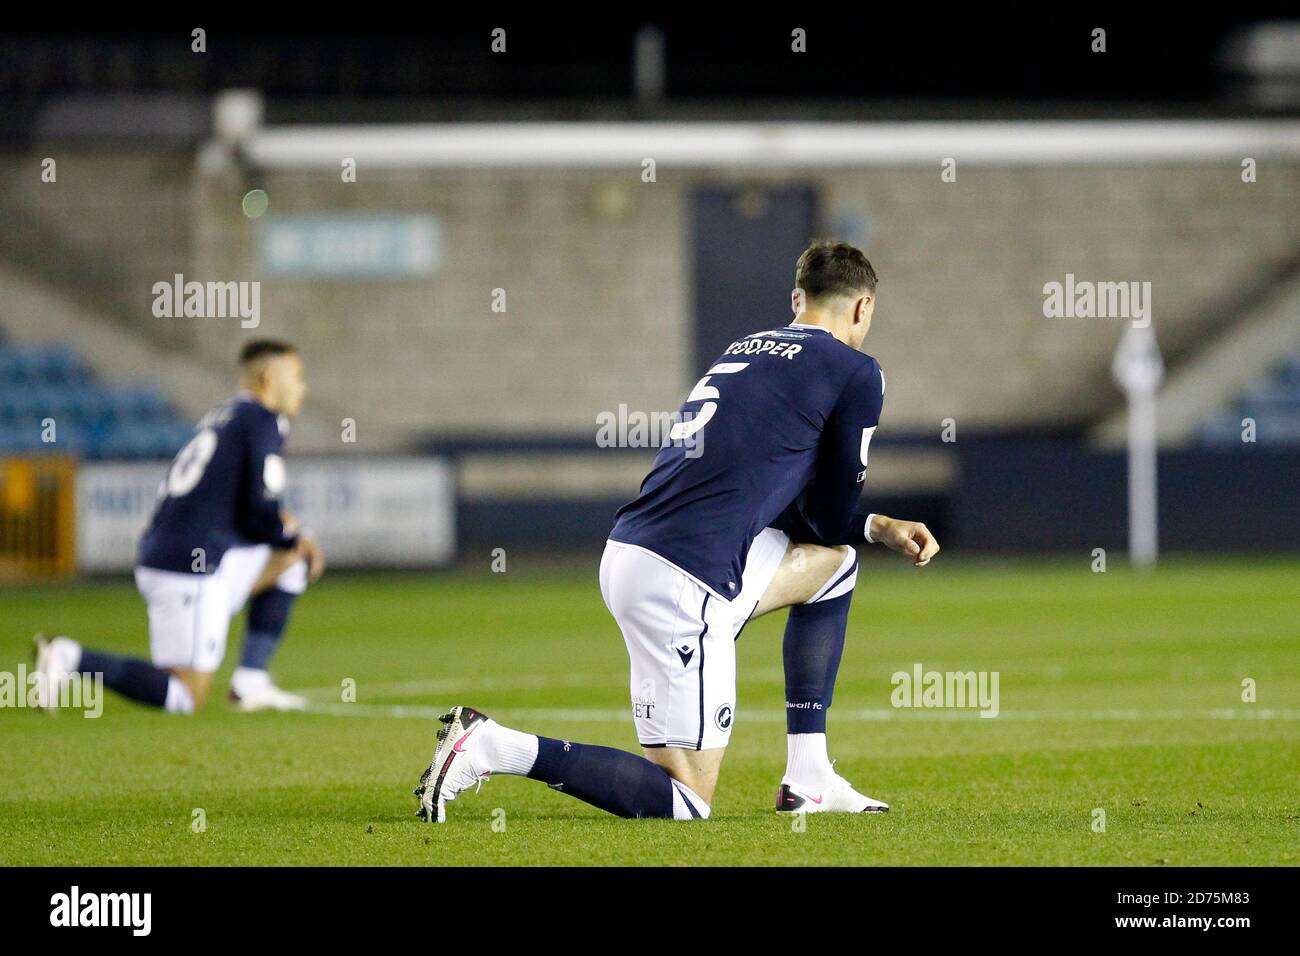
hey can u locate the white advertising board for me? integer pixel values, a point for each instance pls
(393, 512)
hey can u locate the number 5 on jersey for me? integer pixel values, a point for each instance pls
(704, 392)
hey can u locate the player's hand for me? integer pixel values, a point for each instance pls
(910, 538)
(289, 522)
(311, 552)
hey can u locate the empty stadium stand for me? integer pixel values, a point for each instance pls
(1272, 404)
(52, 386)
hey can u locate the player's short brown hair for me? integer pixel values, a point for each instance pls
(259, 349)
(827, 269)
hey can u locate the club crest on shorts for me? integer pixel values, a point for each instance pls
(722, 717)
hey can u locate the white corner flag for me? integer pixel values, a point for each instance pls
(1139, 370)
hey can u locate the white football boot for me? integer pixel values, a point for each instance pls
(252, 690)
(456, 766)
(55, 659)
(836, 797)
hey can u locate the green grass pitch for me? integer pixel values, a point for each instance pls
(1119, 692)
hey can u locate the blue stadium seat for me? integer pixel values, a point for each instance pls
(140, 404)
(15, 439)
(1275, 396)
(10, 364)
(91, 419)
(1273, 403)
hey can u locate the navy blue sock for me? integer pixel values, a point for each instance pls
(268, 616)
(130, 677)
(614, 780)
(813, 645)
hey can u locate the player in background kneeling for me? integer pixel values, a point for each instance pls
(218, 535)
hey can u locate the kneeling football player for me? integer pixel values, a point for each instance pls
(217, 536)
(773, 439)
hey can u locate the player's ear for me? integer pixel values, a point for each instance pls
(266, 376)
(862, 312)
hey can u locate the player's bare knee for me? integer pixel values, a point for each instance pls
(813, 569)
(830, 560)
(703, 782)
(841, 574)
(280, 561)
(197, 684)
(696, 770)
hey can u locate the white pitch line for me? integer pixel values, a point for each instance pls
(376, 710)
(619, 715)
(468, 685)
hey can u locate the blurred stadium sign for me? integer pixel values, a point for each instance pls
(365, 246)
(397, 512)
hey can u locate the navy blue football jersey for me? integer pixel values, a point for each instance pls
(775, 433)
(223, 489)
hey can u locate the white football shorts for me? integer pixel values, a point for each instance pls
(190, 614)
(681, 639)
